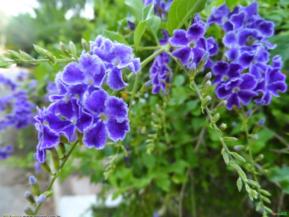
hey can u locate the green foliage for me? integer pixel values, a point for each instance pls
(185, 155)
(181, 12)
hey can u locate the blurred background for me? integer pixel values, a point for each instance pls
(48, 22)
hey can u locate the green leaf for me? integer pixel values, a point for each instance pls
(136, 7)
(115, 36)
(4, 64)
(181, 11)
(154, 23)
(239, 184)
(139, 31)
(280, 175)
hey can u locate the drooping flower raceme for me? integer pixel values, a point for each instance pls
(247, 54)
(80, 105)
(160, 73)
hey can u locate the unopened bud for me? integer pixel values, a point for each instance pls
(28, 211)
(32, 180)
(34, 185)
(208, 76)
(41, 199)
(208, 83)
(216, 117)
(28, 196)
(223, 126)
(84, 44)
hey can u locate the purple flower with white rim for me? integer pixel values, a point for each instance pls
(116, 58)
(273, 83)
(110, 119)
(160, 73)
(224, 71)
(89, 70)
(191, 47)
(238, 91)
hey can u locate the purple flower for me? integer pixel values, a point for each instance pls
(110, 119)
(247, 52)
(161, 7)
(116, 57)
(237, 91)
(160, 73)
(273, 82)
(15, 105)
(191, 47)
(6, 152)
(80, 105)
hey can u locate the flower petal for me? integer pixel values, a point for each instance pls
(183, 54)
(248, 82)
(116, 108)
(196, 31)
(233, 100)
(72, 74)
(95, 101)
(179, 38)
(117, 129)
(50, 139)
(84, 121)
(95, 136)
(115, 80)
(245, 96)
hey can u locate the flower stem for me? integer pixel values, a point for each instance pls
(52, 181)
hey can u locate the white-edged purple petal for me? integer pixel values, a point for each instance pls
(116, 108)
(72, 74)
(117, 129)
(95, 101)
(95, 136)
(115, 80)
(179, 38)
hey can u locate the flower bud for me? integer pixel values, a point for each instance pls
(34, 185)
(223, 126)
(32, 180)
(208, 76)
(28, 196)
(41, 199)
(261, 122)
(28, 211)
(216, 117)
(208, 83)
(84, 44)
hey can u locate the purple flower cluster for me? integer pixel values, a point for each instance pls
(191, 46)
(5, 152)
(80, 105)
(160, 73)
(161, 7)
(246, 73)
(15, 107)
